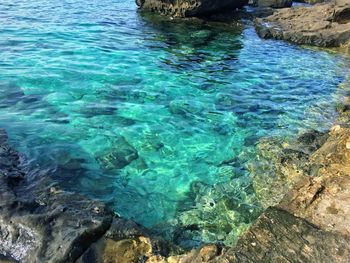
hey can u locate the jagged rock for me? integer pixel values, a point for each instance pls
(188, 8)
(324, 25)
(324, 200)
(38, 224)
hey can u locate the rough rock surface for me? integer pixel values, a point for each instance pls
(188, 8)
(324, 25)
(39, 222)
(281, 164)
(310, 224)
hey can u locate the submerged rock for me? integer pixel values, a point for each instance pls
(118, 156)
(310, 224)
(324, 25)
(188, 8)
(39, 225)
(39, 222)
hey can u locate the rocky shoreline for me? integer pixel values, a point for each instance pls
(307, 203)
(307, 198)
(324, 25)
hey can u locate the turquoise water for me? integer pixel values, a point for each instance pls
(157, 118)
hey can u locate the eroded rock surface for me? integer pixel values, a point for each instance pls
(39, 222)
(324, 25)
(311, 223)
(188, 8)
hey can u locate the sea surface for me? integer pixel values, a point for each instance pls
(156, 117)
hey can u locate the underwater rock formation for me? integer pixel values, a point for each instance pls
(42, 223)
(39, 222)
(121, 154)
(310, 224)
(32, 216)
(324, 25)
(281, 164)
(188, 8)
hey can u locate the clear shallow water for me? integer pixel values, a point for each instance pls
(156, 118)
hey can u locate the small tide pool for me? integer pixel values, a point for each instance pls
(158, 118)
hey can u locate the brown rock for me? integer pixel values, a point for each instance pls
(279, 236)
(324, 25)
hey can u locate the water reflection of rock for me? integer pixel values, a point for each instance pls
(194, 45)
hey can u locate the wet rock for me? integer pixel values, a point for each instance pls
(40, 226)
(324, 25)
(188, 8)
(282, 164)
(207, 253)
(40, 222)
(124, 241)
(312, 1)
(120, 155)
(311, 223)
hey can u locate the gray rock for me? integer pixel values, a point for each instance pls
(188, 8)
(39, 222)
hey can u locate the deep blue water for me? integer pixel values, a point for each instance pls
(156, 117)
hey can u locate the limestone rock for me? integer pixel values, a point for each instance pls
(280, 165)
(324, 25)
(279, 236)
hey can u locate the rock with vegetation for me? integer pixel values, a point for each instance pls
(324, 25)
(189, 8)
